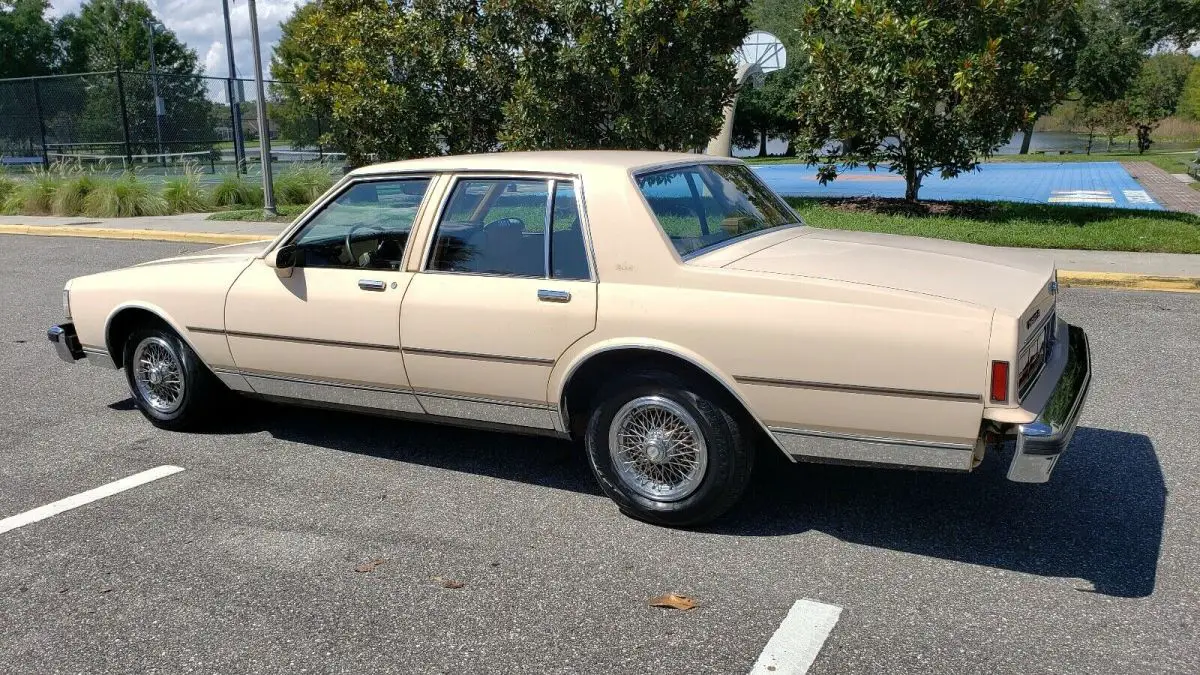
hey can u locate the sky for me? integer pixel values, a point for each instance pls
(200, 25)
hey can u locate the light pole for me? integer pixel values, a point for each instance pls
(235, 97)
(264, 131)
(159, 109)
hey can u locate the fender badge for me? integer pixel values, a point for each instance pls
(1053, 287)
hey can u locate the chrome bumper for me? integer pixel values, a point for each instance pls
(66, 342)
(1041, 442)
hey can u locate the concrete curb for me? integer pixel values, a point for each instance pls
(143, 235)
(1144, 282)
(1137, 282)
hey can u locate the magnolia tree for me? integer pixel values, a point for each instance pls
(921, 87)
(405, 79)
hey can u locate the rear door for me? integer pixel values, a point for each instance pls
(505, 288)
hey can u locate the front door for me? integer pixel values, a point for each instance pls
(330, 331)
(505, 289)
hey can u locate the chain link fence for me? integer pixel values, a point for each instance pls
(147, 121)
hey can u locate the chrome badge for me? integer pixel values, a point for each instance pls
(1053, 287)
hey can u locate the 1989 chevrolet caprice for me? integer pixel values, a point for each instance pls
(667, 309)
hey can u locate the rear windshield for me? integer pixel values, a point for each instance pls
(703, 205)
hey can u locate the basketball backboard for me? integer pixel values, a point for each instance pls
(763, 50)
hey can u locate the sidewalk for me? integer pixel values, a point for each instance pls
(194, 228)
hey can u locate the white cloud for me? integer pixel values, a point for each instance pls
(201, 26)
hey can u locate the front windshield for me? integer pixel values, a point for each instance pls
(702, 205)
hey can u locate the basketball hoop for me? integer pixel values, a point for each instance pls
(760, 53)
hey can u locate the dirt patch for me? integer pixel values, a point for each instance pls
(899, 207)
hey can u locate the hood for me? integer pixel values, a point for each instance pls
(219, 254)
(986, 276)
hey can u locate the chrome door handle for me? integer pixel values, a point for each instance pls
(546, 295)
(371, 285)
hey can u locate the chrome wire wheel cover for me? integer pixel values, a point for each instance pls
(657, 448)
(158, 375)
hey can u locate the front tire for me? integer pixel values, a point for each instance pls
(667, 450)
(169, 383)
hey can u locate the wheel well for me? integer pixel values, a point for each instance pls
(122, 326)
(590, 377)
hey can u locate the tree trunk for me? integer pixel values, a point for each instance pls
(1091, 137)
(762, 143)
(1027, 138)
(912, 184)
(791, 149)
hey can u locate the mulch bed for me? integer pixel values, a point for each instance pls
(899, 207)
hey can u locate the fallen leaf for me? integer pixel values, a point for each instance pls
(673, 601)
(370, 566)
(449, 583)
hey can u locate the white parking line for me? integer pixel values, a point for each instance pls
(794, 647)
(54, 508)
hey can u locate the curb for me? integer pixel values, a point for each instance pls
(1135, 282)
(142, 235)
(1141, 282)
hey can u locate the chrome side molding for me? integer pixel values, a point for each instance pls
(804, 445)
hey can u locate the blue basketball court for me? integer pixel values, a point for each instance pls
(1078, 183)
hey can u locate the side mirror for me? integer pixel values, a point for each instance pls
(284, 259)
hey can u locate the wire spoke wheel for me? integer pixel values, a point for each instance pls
(657, 448)
(158, 375)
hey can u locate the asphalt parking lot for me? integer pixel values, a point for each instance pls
(246, 561)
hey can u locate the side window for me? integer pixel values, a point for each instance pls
(568, 252)
(493, 226)
(365, 227)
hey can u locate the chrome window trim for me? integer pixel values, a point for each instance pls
(550, 177)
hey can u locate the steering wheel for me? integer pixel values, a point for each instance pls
(350, 238)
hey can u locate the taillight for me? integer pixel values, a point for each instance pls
(999, 381)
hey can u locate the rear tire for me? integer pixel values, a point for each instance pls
(169, 383)
(668, 450)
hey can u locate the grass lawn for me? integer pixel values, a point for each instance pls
(1012, 224)
(287, 213)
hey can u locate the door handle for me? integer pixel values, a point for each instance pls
(371, 285)
(547, 295)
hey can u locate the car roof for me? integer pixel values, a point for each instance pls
(557, 161)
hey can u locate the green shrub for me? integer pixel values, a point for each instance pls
(34, 195)
(125, 196)
(71, 194)
(235, 190)
(185, 194)
(7, 185)
(302, 183)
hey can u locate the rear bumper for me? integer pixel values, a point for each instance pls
(66, 342)
(1041, 442)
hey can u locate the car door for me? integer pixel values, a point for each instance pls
(505, 288)
(328, 329)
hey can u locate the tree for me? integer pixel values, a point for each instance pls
(26, 38)
(1189, 99)
(425, 77)
(113, 34)
(1156, 21)
(297, 120)
(919, 86)
(768, 111)
(1156, 92)
(613, 74)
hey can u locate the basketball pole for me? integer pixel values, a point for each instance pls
(722, 144)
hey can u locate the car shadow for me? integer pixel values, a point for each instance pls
(1100, 518)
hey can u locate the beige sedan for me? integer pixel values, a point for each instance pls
(667, 310)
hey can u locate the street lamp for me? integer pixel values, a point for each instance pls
(264, 132)
(160, 110)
